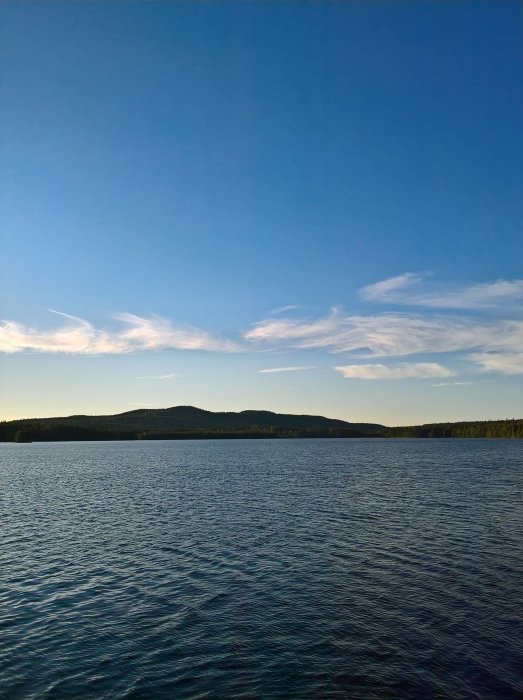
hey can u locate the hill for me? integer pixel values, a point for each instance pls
(180, 422)
(188, 422)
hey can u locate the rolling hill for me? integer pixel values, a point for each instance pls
(188, 422)
(180, 421)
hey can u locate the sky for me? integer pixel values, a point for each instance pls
(304, 207)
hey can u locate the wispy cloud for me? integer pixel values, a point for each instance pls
(406, 290)
(163, 376)
(297, 368)
(390, 289)
(156, 333)
(78, 336)
(452, 384)
(283, 309)
(389, 335)
(415, 370)
(502, 362)
(488, 343)
(287, 329)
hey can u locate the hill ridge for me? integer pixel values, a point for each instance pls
(191, 422)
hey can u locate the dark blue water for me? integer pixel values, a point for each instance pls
(262, 569)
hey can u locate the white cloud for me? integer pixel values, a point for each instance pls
(156, 333)
(285, 369)
(502, 362)
(163, 376)
(389, 335)
(398, 290)
(78, 336)
(490, 344)
(282, 309)
(387, 290)
(292, 330)
(415, 370)
(452, 384)
(72, 338)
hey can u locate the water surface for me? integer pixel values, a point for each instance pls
(262, 569)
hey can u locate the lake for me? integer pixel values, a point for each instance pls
(262, 569)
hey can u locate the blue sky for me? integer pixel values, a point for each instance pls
(205, 191)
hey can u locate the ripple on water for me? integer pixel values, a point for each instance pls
(262, 569)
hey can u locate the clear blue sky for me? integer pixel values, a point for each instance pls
(198, 185)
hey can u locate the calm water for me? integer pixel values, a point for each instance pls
(262, 569)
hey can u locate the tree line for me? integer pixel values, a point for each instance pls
(509, 428)
(40, 431)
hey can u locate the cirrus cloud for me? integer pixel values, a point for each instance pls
(414, 370)
(486, 343)
(502, 362)
(294, 368)
(388, 335)
(78, 336)
(405, 290)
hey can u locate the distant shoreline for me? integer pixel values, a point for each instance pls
(190, 423)
(262, 437)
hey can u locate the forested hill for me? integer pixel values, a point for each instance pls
(180, 422)
(187, 422)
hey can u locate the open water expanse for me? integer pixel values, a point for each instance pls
(262, 569)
